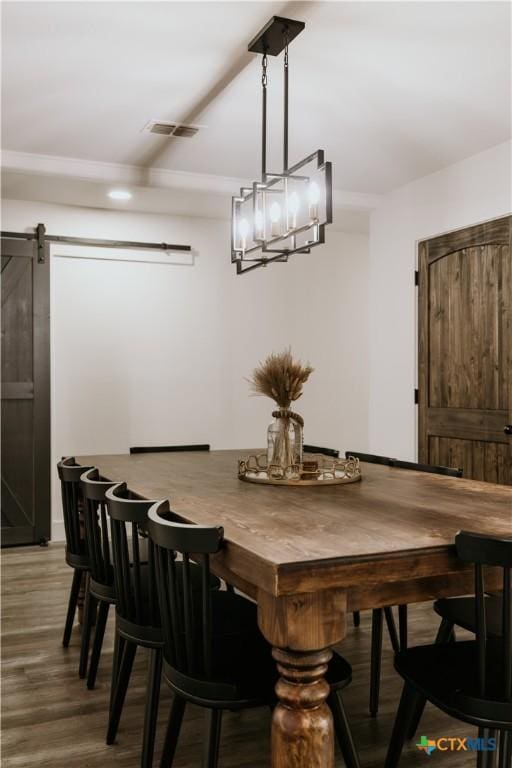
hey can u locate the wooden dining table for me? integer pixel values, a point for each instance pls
(310, 555)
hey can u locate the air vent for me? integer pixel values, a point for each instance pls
(181, 131)
(185, 131)
(164, 129)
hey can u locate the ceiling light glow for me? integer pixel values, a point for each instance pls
(120, 194)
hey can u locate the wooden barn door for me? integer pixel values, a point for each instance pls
(465, 351)
(25, 461)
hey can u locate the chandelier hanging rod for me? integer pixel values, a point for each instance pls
(264, 118)
(271, 41)
(285, 128)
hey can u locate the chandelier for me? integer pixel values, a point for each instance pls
(282, 213)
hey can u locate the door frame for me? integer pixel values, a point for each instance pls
(40, 532)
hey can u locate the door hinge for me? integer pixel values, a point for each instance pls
(416, 277)
(416, 396)
(40, 232)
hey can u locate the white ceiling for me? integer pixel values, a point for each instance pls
(391, 90)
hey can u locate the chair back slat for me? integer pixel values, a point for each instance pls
(105, 541)
(131, 556)
(507, 633)
(154, 612)
(186, 609)
(176, 608)
(75, 504)
(124, 565)
(206, 603)
(492, 551)
(480, 625)
(94, 488)
(92, 536)
(72, 504)
(170, 641)
(118, 574)
(137, 588)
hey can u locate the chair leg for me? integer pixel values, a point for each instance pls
(390, 622)
(101, 623)
(401, 726)
(123, 678)
(402, 626)
(89, 615)
(486, 759)
(73, 598)
(212, 743)
(173, 731)
(342, 731)
(356, 618)
(505, 750)
(376, 659)
(119, 643)
(151, 713)
(444, 634)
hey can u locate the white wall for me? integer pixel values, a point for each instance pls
(146, 353)
(469, 192)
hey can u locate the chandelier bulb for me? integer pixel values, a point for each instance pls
(293, 209)
(259, 222)
(275, 216)
(314, 199)
(243, 229)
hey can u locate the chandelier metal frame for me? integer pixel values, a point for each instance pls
(272, 40)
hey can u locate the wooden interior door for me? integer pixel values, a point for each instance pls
(465, 351)
(25, 432)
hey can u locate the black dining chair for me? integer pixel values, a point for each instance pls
(323, 451)
(77, 556)
(398, 639)
(471, 680)
(137, 612)
(370, 458)
(334, 453)
(169, 448)
(460, 612)
(379, 614)
(209, 637)
(102, 591)
(432, 468)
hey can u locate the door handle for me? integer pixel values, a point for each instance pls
(508, 429)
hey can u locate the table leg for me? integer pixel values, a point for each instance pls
(302, 727)
(301, 628)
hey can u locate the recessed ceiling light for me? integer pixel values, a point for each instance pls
(120, 194)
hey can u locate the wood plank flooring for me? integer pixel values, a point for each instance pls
(50, 719)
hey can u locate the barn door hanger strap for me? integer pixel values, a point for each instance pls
(282, 213)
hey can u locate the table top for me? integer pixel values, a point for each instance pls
(391, 513)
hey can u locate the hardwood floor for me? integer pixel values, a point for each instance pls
(50, 719)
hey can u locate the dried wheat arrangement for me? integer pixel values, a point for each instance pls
(280, 377)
